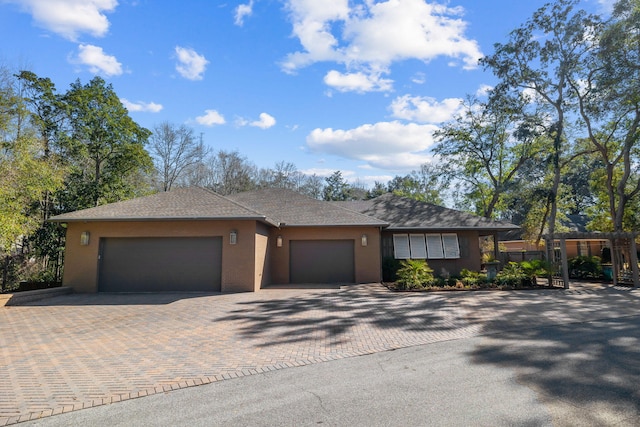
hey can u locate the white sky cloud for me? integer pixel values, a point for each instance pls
(70, 18)
(484, 90)
(419, 78)
(425, 109)
(242, 11)
(211, 118)
(369, 37)
(191, 65)
(98, 61)
(148, 107)
(357, 82)
(384, 145)
(265, 122)
(322, 172)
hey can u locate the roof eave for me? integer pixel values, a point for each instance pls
(165, 218)
(440, 228)
(287, 225)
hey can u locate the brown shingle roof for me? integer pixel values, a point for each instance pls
(293, 209)
(403, 214)
(182, 203)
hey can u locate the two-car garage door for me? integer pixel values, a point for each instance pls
(160, 264)
(322, 261)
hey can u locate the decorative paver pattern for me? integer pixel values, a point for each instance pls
(79, 351)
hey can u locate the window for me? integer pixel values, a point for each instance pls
(434, 246)
(426, 246)
(401, 246)
(418, 248)
(583, 248)
(451, 247)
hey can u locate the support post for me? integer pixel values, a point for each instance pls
(565, 263)
(634, 261)
(614, 261)
(547, 243)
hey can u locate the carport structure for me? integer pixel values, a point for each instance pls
(624, 255)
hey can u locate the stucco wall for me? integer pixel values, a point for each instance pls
(367, 258)
(238, 261)
(262, 251)
(470, 256)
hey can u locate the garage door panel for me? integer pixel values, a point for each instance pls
(322, 261)
(157, 264)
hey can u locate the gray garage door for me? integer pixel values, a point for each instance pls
(160, 264)
(322, 261)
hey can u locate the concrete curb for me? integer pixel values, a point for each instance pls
(19, 298)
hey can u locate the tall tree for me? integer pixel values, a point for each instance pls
(485, 147)
(231, 173)
(609, 107)
(107, 146)
(27, 174)
(175, 150)
(424, 184)
(541, 57)
(336, 188)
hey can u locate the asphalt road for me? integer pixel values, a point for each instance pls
(566, 375)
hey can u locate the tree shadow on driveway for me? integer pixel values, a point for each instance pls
(587, 370)
(345, 316)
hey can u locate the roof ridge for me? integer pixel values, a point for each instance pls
(266, 218)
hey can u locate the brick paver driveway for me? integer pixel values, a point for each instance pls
(79, 351)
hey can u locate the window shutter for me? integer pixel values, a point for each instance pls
(418, 248)
(451, 247)
(434, 246)
(401, 246)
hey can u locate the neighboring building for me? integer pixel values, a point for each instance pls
(193, 239)
(515, 248)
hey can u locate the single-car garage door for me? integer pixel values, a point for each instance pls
(322, 261)
(160, 264)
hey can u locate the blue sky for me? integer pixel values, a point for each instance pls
(356, 86)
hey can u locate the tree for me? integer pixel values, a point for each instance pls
(378, 189)
(541, 58)
(485, 147)
(424, 185)
(175, 150)
(27, 172)
(312, 186)
(609, 107)
(231, 173)
(337, 189)
(106, 145)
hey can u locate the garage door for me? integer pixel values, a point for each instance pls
(322, 261)
(160, 264)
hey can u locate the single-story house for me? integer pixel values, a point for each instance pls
(192, 239)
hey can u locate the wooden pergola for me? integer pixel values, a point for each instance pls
(621, 243)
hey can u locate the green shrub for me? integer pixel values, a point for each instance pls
(512, 275)
(472, 279)
(414, 273)
(536, 268)
(585, 267)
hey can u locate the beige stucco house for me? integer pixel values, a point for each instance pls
(193, 239)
